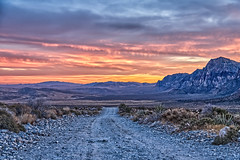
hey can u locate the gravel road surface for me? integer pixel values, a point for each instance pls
(109, 136)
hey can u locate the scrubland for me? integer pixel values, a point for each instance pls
(14, 116)
(209, 118)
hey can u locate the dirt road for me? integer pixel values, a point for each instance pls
(109, 136)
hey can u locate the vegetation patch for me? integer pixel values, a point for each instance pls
(8, 122)
(124, 109)
(212, 118)
(12, 117)
(178, 115)
(231, 135)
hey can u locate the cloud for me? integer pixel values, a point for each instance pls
(11, 56)
(154, 37)
(116, 20)
(124, 26)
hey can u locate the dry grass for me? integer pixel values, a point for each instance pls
(177, 115)
(214, 128)
(8, 122)
(50, 113)
(28, 118)
(13, 116)
(66, 110)
(184, 119)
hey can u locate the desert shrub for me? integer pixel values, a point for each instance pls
(59, 112)
(7, 122)
(160, 108)
(140, 113)
(205, 121)
(95, 111)
(76, 112)
(20, 109)
(76, 108)
(124, 108)
(221, 116)
(209, 111)
(226, 119)
(28, 118)
(38, 107)
(143, 115)
(195, 123)
(38, 104)
(50, 113)
(236, 119)
(66, 110)
(187, 124)
(231, 136)
(178, 115)
(91, 111)
(219, 111)
(135, 118)
(38, 113)
(151, 118)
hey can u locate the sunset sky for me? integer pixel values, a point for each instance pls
(85, 41)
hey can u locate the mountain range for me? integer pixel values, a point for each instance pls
(219, 78)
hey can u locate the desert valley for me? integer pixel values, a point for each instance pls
(119, 80)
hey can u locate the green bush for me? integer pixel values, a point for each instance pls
(226, 119)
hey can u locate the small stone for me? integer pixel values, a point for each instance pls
(4, 131)
(224, 131)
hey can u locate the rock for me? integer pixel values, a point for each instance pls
(226, 135)
(219, 76)
(156, 123)
(4, 131)
(223, 132)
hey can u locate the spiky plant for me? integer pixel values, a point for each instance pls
(226, 119)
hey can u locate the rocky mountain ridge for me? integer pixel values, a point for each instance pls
(221, 76)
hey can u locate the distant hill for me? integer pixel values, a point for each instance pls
(221, 76)
(219, 79)
(116, 84)
(47, 84)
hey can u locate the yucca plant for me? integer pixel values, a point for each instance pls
(159, 108)
(226, 119)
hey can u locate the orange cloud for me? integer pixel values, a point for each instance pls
(81, 79)
(37, 61)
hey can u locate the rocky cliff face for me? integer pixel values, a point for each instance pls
(220, 76)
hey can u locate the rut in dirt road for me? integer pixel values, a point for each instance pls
(109, 136)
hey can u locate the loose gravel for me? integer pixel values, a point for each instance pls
(108, 137)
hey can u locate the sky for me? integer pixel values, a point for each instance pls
(84, 41)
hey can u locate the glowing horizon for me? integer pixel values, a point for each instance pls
(84, 42)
